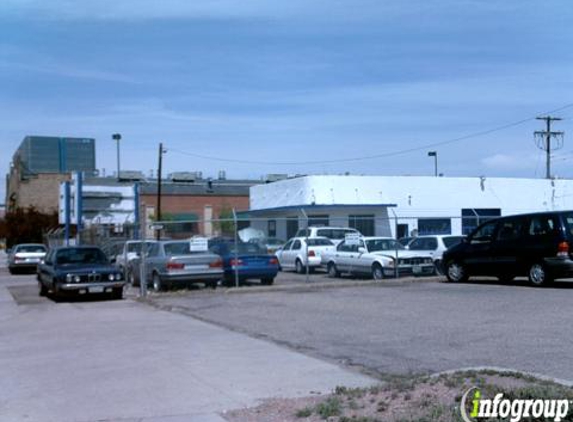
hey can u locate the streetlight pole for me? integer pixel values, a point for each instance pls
(117, 137)
(435, 155)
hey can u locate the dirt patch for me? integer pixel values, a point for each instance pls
(404, 399)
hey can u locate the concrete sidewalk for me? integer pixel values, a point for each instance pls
(121, 360)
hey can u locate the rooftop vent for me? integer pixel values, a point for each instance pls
(185, 176)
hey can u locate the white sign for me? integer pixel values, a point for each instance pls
(352, 238)
(199, 244)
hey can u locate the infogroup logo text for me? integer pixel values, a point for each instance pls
(513, 410)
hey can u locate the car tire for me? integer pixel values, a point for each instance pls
(456, 272)
(538, 276)
(117, 293)
(11, 270)
(332, 270)
(267, 281)
(299, 268)
(131, 279)
(377, 271)
(156, 283)
(212, 284)
(42, 291)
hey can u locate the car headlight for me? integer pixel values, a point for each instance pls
(111, 277)
(391, 263)
(69, 278)
(77, 278)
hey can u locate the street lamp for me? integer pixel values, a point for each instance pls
(435, 155)
(117, 137)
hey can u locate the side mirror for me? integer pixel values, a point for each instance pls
(361, 250)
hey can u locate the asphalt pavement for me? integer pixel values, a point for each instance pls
(405, 327)
(104, 360)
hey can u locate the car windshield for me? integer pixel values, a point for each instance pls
(319, 242)
(177, 248)
(374, 245)
(136, 247)
(75, 256)
(31, 249)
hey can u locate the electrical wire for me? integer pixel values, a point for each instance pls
(374, 156)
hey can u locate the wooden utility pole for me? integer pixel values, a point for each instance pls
(544, 140)
(159, 167)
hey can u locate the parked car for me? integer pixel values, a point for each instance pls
(130, 250)
(435, 245)
(378, 258)
(271, 244)
(534, 245)
(335, 234)
(25, 256)
(250, 261)
(296, 254)
(172, 262)
(80, 269)
(404, 241)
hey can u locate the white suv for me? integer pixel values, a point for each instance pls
(335, 234)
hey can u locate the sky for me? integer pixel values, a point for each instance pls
(255, 87)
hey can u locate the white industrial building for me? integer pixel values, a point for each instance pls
(400, 205)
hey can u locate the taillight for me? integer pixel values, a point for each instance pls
(216, 264)
(175, 266)
(273, 261)
(563, 250)
(235, 262)
(18, 259)
(311, 253)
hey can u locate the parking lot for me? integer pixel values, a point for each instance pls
(406, 326)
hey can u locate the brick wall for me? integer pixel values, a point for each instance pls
(41, 191)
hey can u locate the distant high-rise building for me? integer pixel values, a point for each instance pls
(39, 165)
(49, 154)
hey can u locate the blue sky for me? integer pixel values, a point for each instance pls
(291, 82)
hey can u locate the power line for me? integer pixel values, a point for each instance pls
(374, 156)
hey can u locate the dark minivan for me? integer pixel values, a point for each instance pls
(533, 245)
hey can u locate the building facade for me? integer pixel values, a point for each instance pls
(399, 206)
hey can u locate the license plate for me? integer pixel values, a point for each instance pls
(96, 289)
(32, 260)
(416, 269)
(196, 267)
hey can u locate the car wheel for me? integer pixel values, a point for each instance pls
(42, 291)
(332, 270)
(377, 272)
(456, 272)
(538, 275)
(11, 270)
(156, 283)
(131, 279)
(299, 267)
(117, 293)
(267, 281)
(212, 284)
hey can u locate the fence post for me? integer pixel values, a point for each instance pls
(236, 232)
(142, 268)
(396, 269)
(306, 242)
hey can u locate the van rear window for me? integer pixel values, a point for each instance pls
(568, 219)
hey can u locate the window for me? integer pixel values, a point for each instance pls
(296, 245)
(485, 232)
(434, 226)
(473, 217)
(319, 242)
(541, 225)
(423, 244)
(402, 231)
(452, 240)
(363, 223)
(292, 226)
(272, 228)
(288, 245)
(318, 220)
(510, 229)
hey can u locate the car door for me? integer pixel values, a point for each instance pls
(296, 252)
(361, 262)
(507, 241)
(283, 254)
(478, 255)
(43, 268)
(342, 257)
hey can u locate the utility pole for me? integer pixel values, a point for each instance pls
(117, 137)
(544, 137)
(158, 213)
(435, 155)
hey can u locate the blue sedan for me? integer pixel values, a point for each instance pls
(250, 261)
